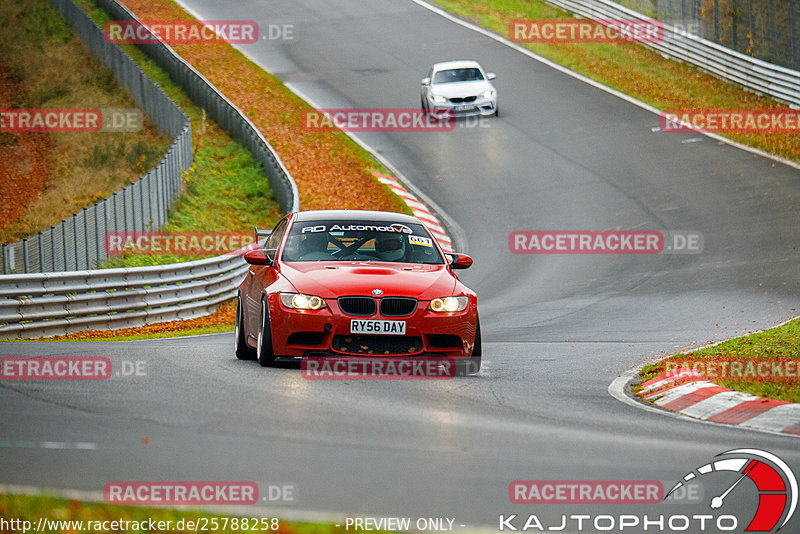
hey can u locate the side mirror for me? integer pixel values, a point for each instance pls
(460, 261)
(491, 75)
(258, 257)
(425, 81)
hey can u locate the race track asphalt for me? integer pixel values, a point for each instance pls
(558, 329)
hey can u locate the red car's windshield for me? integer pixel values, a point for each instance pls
(336, 240)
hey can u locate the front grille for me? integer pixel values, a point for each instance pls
(377, 344)
(458, 99)
(397, 306)
(360, 306)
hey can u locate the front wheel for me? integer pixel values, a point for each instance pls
(472, 365)
(264, 351)
(243, 352)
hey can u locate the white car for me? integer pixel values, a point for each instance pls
(459, 87)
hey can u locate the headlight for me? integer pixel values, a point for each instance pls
(488, 93)
(439, 99)
(449, 304)
(298, 301)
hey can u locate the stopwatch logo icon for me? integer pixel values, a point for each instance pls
(775, 482)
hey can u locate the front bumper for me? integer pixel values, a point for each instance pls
(298, 333)
(480, 107)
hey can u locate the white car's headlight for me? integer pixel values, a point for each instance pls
(488, 93)
(449, 304)
(298, 301)
(439, 99)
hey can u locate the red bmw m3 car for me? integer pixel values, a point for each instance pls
(356, 283)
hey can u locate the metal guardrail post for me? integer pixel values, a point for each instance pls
(40, 251)
(53, 246)
(64, 242)
(793, 31)
(25, 255)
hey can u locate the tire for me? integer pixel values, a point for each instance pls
(264, 351)
(497, 111)
(473, 365)
(243, 352)
(422, 104)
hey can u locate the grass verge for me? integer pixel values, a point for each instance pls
(45, 177)
(632, 69)
(331, 171)
(776, 344)
(32, 508)
(224, 191)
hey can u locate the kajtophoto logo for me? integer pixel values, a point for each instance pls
(773, 480)
(770, 481)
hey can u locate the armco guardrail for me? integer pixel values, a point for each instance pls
(766, 29)
(77, 242)
(47, 304)
(219, 108)
(35, 305)
(760, 76)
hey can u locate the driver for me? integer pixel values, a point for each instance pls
(314, 246)
(390, 247)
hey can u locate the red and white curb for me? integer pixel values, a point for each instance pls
(690, 394)
(419, 209)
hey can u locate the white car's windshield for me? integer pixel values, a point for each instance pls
(458, 75)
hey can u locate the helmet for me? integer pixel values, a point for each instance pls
(390, 247)
(313, 246)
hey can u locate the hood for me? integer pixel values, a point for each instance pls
(336, 279)
(450, 90)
